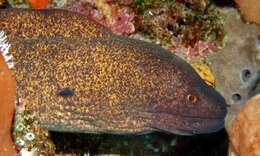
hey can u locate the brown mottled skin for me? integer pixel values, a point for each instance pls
(120, 85)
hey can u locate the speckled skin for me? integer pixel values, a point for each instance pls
(120, 85)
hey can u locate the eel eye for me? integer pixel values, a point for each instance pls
(66, 92)
(191, 98)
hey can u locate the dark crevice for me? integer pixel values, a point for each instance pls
(224, 3)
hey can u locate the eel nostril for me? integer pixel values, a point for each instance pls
(236, 97)
(66, 92)
(245, 75)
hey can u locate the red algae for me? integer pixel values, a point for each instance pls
(7, 91)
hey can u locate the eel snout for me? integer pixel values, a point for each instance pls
(206, 114)
(188, 125)
(212, 114)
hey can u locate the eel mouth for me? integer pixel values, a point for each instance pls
(200, 125)
(189, 125)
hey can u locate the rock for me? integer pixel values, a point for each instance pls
(244, 131)
(235, 67)
(7, 91)
(250, 10)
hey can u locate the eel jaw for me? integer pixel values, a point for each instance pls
(203, 126)
(206, 125)
(183, 125)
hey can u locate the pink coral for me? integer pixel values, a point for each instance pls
(122, 22)
(201, 48)
(118, 18)
(85, 8)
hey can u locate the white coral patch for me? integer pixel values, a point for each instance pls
(4, 48)
(25, 152)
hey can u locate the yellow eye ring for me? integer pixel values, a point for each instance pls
(191, 98)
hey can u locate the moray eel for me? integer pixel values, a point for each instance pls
(74, 75)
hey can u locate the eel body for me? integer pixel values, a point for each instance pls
(75, 75)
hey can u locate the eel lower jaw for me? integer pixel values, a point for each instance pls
(203, 125)
(187, 124)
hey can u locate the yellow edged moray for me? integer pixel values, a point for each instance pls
(76, 76)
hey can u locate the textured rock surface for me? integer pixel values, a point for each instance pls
(236, 66)
(244, 132)
(250, 10)
(7, 92)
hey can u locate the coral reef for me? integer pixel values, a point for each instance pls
(115, 16)
(7, 91)
(250, 10)
(244, 131)
(184, 27)
(189, 24)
